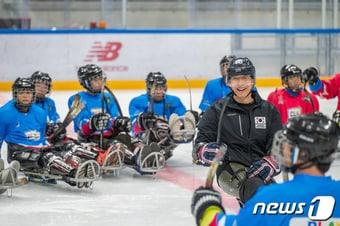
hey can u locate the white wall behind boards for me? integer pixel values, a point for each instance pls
(122, 56)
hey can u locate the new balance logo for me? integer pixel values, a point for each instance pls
(107, 52)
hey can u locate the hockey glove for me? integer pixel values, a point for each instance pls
(99, 121)
(52, 128)
(266, 169)
(312, 75)
(147, 120)
(336, 117)
(202, 199)
(122, 124)
(207, 152)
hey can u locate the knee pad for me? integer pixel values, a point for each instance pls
(230, 177)
(249, 187)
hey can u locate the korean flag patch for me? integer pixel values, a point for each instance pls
(260, 123)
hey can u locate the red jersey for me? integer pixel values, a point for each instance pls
(328, 89)
(290, 106)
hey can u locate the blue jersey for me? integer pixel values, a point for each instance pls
(294, 196)
(93, 105)
(214, 90)
(163, 109)
(49, 107)
(26, 129)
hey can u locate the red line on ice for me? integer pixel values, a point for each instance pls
(190, 182)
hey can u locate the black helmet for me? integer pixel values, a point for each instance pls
(43, 77)
(315, 138)
(156, 78)
(290, 70)
(336, 117)
(87, 73)
(22, 84)
(227, 59)
(241, 66)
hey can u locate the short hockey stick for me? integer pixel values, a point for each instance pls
(189, 87)
(116, 100)
(213, 167)
(102, 99)
(219, 155)
(75, 109)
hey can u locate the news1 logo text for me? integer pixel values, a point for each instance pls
(319, 209)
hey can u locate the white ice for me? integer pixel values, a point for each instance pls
(128, 199)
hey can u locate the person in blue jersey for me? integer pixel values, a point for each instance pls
(22, 127)
(100, 122)
(43, 84)
(216, 89)
(159, 117)
(305, 148)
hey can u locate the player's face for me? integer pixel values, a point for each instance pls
(294, 82)
(159, 93)
(287, 154)
(241, 85)
(41, 89)
(96, 83)
(25, 96)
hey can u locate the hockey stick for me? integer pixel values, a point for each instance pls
(213, 167)
(189, 87)
(75, 109)
(150, 109)
(102, 97)
(116, 100)
(219, 155)
(285, 176)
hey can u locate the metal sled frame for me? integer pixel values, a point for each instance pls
(156, 164)
(185, 133)
(9, 186)
(80, 182)
(106, 168)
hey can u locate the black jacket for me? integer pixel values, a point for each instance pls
(246, 142)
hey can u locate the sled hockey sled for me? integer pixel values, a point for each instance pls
(84, 176)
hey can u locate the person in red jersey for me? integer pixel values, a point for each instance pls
(293, 99)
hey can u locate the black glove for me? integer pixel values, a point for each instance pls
(52, 128)
(202, 199)
(336, 117)
(147, 120)
(99, 121)
(122, 124)
(312, 75)
(196, 115)
(266, 169)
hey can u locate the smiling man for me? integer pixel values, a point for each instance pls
(244, 124)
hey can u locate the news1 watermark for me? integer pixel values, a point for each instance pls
(319, 209)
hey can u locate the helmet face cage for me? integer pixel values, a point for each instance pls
(156, 79)
(87, 73)
(311, 138)
(23, 84)
(241, 66)
(289, 71)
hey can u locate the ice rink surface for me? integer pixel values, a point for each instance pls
(124, 200)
